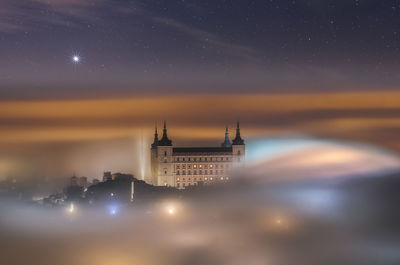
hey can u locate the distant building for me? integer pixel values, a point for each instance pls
(82, 182)
(74, 181)
(181, 167)
(107, 176)
(124, 188)
(95, 181)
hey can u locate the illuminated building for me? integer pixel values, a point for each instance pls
(187, 166)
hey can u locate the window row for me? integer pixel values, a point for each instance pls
(194, 181)
(206, 166)
(200, 172)
(195, 159)
(200, 179)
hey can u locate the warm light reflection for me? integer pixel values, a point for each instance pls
(71, 208)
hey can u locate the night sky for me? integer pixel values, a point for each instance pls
(130, 48)
(317, 68)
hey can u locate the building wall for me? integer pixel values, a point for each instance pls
(193, 166)
(164, 171)
(195, 169)
(187, 169)
(154, 166)
(239, 154)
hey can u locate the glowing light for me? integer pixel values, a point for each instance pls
(76, 58)
(71, 208)
(171, 211)
(113, 209)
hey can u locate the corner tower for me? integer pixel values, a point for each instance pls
(238, 146)
(161, 160)
(154, 159)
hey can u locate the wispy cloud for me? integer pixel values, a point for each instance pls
(17, 16)
(210, 39)
(32, 14)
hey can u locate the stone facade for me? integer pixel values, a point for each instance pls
(188, 166)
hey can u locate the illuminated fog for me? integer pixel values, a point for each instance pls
(307, 220)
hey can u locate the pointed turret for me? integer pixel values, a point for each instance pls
(227, 142)
(155, 143)
(164, 140)
(238, 140)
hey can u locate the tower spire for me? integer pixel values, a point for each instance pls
(164, 140)
(238, 139)
(155, 143)
(227, 142)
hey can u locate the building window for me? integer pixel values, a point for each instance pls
(211, 172)
(183, 159)
(165, 171)
(205, 172)
(194, 166)
(238, 152)
(177, 172)
(179, 185)
(200, 172)
(177, 179)
(189, 159)
(183, 172)
(190, 173)
(211, 166)
(195, 172)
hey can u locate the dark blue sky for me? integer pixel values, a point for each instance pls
(160, 47)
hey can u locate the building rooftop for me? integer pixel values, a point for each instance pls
(198, 150)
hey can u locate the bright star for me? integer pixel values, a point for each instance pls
(76, 59)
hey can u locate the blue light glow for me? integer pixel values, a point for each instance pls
(113, 209)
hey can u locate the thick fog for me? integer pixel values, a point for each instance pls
(343, 218)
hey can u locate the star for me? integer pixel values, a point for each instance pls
(76, 59)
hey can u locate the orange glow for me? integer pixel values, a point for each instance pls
(200, 117)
